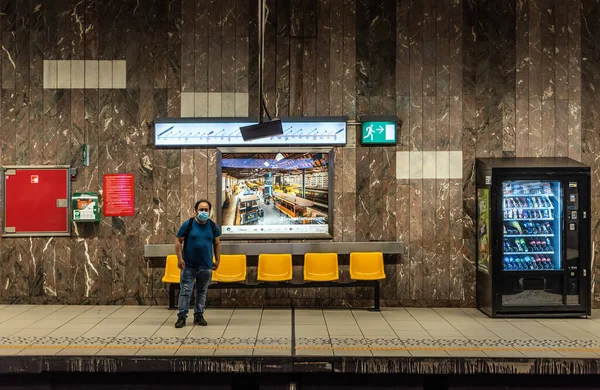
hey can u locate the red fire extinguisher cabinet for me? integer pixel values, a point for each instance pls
(36, 200)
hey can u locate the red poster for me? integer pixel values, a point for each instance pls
(119, 195)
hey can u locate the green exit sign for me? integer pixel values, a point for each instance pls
(378, 132)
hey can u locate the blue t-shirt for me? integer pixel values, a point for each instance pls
(198, 248)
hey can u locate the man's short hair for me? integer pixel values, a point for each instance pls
(203, 201)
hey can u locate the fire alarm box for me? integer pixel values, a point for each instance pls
(36, 200)
(85, 206)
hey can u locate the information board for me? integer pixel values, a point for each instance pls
(226, 132)
(119, 195)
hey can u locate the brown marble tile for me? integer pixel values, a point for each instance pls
(211, 172)
(201, 17)
(282, 62)
(349, 57)
(173, 196)
(416, 124)
(349, 219)
(389, 285)
(376, 196)
(522, 49)
(535, 48)
(561, 68)
(159, 60)
(574, 48)
(415, 251)
(22, 74)
(115, 255)
(388, 190)
(296, 84)
(187, 199)
(429, 269)
(322, 78)
(522, 128)
(403, 236)
(200, 174)
(159, 175)
(455, 216)
(24, 270)
(442, 237)
(229, 22)
(574, 129)
(335, 71)
(349, 172)
(228, 66)
(63, 123)
(296, 13)
(416, 48)
(200, 62)
(36, 102)
(188, 62)
(215, 63)
(362, 205)
(455, 37)
(338, 211)
(548, 128)
(403, 128)
(548, 42)
(535, 126)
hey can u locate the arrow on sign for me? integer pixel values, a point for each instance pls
(380, 129)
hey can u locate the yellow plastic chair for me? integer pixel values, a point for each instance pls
(172, 271)
(366, 266)
(321, 267)
(274, 267)
(232, 268)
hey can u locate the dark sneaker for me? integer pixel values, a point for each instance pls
(180, 322)
(199, 320)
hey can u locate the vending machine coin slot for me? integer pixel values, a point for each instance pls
(573, 281)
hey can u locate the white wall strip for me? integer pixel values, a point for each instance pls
(79, 74)
(214, 104)
(429, 165)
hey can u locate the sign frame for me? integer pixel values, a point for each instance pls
(106, 198)
(229, 134)
(381, 121)
(56, 203)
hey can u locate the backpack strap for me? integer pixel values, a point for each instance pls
(188, 229)
(213, 226)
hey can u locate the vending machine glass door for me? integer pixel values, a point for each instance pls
(532, 214)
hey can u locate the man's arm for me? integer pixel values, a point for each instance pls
(217, 246)
(178, 242)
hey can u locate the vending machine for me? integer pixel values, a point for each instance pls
(533, 237)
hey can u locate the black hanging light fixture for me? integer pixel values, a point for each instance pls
(272, 127)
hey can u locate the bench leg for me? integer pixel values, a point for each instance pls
(171, 296)
(376, 296)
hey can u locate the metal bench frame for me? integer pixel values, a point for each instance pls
(173, 287)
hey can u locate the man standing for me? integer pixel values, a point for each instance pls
(199, 235)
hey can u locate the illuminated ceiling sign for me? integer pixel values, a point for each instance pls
(226, 132)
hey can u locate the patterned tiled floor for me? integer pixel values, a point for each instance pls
(149, 330)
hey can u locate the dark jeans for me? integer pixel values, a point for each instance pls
(202, 278)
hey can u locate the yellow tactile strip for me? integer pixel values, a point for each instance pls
(304, 348)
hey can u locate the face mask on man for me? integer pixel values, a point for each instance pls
(203, 216)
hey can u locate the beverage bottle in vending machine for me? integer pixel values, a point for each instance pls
(518, 263)
(540, 263)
